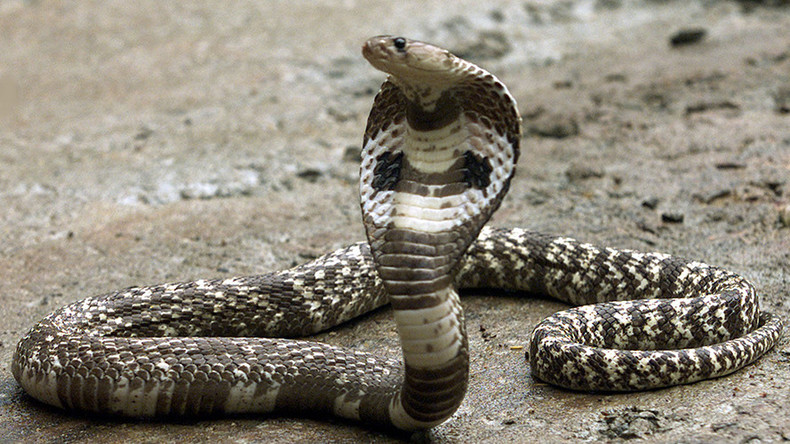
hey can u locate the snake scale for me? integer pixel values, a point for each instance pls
(439, 151)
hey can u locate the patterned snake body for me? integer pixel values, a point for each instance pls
(439, 151)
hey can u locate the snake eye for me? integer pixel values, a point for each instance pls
(400, 43)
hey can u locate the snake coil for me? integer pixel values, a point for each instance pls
(439, 151)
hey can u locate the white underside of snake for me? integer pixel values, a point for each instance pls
(440, 149)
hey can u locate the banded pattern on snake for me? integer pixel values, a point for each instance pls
(439, 151)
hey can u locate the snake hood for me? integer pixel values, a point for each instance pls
(439, 152)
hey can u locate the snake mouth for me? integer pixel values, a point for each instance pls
(381, 53)
(371, 48)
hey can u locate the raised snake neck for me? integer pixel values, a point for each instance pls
(434, 169)
(438, 154)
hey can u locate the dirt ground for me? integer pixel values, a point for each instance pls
(147, 142)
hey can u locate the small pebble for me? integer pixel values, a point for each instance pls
(702, 107)
(650, 203)
(144, 133)
(615, 77)
(563, 84)
(730, 165)
(687, 36)
(352, 153)
(310, 174)
(672, 218)
(713, 196)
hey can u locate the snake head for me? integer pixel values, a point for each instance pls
(413, 62)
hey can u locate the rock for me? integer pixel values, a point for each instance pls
(563, 84)
(310, 174)
(632, 422)
(616, 77)
(650, 203)
(672, 218)
(144, 133)
(714, 195)
(687, 37)
(352, 154)
(730, 165)
(702, 107)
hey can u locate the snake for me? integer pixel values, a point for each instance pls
(439, 151)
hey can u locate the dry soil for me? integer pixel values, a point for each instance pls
(145, 142)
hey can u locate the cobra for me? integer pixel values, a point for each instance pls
(439, 151)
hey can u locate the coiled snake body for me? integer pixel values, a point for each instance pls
(440, 148)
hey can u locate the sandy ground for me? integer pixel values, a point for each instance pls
(143, 143)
